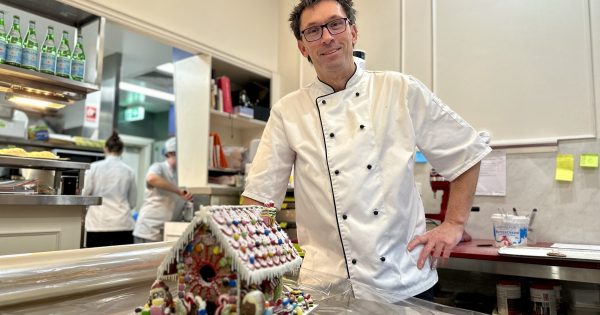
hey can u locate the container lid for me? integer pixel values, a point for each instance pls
(509, 282)
(542, 286)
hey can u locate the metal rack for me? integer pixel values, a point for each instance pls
(58, 166)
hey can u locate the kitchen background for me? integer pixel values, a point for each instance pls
(567, 210)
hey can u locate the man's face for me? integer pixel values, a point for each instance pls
(171, 158)
(331, 54)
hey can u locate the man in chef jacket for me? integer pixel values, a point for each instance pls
(351, 137)
(162, 197)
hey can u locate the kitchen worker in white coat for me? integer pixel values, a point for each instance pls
(163, 197)
(110, 223)
(351, 137)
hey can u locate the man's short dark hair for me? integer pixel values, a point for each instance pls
(347, 5)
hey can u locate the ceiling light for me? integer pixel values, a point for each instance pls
(146, 91)
(168, 68)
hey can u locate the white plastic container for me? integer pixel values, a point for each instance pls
(543, 298)
(508, 297)
(510, 230)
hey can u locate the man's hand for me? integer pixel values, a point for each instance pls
(438, 242)
(185, 194)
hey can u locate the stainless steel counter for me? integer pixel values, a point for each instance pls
(59, 200)
(470, 256)
(216, 190)
(526, 270)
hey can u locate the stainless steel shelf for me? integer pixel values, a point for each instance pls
(46, 164)
(45, 144)
(50, 200)
(11, 75)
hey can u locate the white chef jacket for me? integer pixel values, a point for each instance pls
(357, 205)
(114, 181)
(159, 205)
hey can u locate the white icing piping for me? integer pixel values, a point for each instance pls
(250, 276)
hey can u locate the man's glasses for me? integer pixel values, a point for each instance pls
(334, 27)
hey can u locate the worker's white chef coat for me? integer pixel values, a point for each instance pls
(114, 181)
(357, 205)
(159, 205)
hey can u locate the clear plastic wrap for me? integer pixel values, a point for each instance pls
(115, 280)
(26, 278)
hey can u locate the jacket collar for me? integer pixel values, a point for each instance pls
(354, 79)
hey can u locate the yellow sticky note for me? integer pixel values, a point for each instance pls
(588, 160)
(564, 167)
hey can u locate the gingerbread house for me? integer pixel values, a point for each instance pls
(229, 260)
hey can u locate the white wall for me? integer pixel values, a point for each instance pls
(244, 30)
(140, 55)
(566, 209)
(379, 35)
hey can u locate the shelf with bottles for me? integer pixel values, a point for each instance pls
(40, 66)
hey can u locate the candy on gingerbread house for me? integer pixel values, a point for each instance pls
(229, 260)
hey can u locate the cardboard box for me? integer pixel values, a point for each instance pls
(12, 128)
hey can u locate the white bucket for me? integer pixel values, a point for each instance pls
(543, 298)
(508, 297)
(510, 230)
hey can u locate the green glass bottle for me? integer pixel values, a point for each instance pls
(30, 49)
(78, 60)
(2, 38)
(48, 55)
(63, 57)
(14, 45)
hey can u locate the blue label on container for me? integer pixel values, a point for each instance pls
(13, 53)
(48, 62)
(30, 57)
(78, 68)
(63, 66)
(2, 50)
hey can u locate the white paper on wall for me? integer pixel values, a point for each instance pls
(92, 110)
(492, 175)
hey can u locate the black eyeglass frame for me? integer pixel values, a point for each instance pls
(322, 26)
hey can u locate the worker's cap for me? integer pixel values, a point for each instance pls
(171, 145)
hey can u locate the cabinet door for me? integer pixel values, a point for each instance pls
(520, 69)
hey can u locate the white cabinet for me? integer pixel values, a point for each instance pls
(34, 222)
(520, 69)
(173, 230)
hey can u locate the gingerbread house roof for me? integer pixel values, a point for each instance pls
(258, 252)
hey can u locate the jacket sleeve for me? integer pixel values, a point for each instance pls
(88, 185)
(448, 142)
(132, 196)
(270, 172)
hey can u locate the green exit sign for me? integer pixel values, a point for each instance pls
(134, 113)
